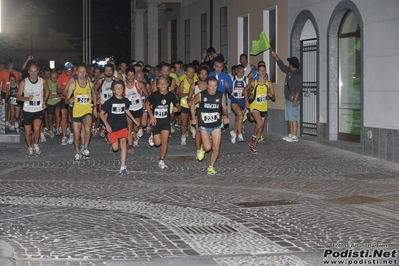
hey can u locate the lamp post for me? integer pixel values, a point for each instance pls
(86, 31)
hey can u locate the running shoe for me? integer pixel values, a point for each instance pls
(193, 132)
(200, 154)
(42, 138)
(162, 165)
(70, 139)
(211, 170)
(86, 154)
(37, 151)
(177, 126)
(245, 116)
(51, 134)
(240, 138)
(136, 143)
(12, 128)
(16, 124)
(252, 142)
(183, 140)
(64, 141)
(253, 149)
(77, 157)
(292, 139)
(68, 131)
(8, 124)
(172, 129)
(30, 151)
(140, 133)
(287, 137)
(261, 138)
(123, 170)
(58, 132)
(151, 141)
(233, 137)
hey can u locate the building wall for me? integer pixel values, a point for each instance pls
(380, 20)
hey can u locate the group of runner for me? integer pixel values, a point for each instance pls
(127, 101)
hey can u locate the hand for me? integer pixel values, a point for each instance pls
(175, 109)
(226, 120)
(108, 128)
(246, 104)
(30, 97)
(44, 106)
(30, 57)
(226, 84)
(95, 112)
(275, 56)
(153, 121)
(294, 102)
(193, 121)
(136, 123)
(71, 101)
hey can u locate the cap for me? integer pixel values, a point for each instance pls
(294, 61)
(68, 66)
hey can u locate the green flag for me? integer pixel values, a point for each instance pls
(261, 45)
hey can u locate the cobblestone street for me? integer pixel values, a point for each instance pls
(286, 205)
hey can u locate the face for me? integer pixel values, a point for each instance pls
(243, 60)
(262, 71)
(108, 72)
(218, 66)
(212, 86)
(178, 67)
(240, 73)
(96, 73)
(203, 75)
(12, 81)
(162, 85)
(130, 76)
(10, 67)
(165, 71)
(68, 72)
(118, 90)
(33, 72)
(47, 74)
(81, 72)
(53, 76)
(210, 56)
(190, 72)
(140, 76)
(123, 67)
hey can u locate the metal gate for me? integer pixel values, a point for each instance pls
(309, 89)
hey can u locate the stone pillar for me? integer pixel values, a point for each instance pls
(152, 33)
(138, 49)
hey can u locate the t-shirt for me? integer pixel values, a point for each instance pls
(5, 78)
(161, 104)
(116, 110)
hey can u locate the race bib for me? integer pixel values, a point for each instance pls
(118, 108)
(261, 98)
(210, 117)
(134, 99)
(13, 100)
(237, 93)
(34, 103)
(161, 112)
(83, 99)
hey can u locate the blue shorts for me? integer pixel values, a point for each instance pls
(291, 113)
(241, 103)
(211, 129)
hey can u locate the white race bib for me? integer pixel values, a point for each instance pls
(13, 100)
(83, 99)
(210, 117)
(118, 108)
(261, 98)
(161, 112)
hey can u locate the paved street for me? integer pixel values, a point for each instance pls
(287, 205)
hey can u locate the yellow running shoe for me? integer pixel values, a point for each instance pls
(211, 171)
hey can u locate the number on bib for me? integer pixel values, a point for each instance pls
(83, 99)
(161, 112)
(210, 117)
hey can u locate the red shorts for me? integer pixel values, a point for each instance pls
(115, 136)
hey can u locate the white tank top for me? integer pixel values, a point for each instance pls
(134, 95)
(35, 89)
(106, 92)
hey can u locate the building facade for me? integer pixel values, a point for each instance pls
(348, 51)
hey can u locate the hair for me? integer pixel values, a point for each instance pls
(109, 65)
(12, 76)
(204, 67)
(245, 55)
(81, 65)
(189, 66)
(210, 50)
(212, 79)
(130, 69)
(261, 66)
(159, 77)
(261, 63)
(116, 82)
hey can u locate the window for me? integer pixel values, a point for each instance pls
(349, 104)
(270, 28)
(43, 29)
(187, 41)
(223, 33)
(173, 38)
(243, 35)
(204, 32)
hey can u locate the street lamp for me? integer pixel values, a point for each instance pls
(0, 15)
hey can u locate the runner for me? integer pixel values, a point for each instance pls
(262, 90)
(113, 114)
(53, 104)
(212, 111)
(238, 103)
(14, 105)
(140, 77)
(161, 101)
(81, 94)
(34, 92)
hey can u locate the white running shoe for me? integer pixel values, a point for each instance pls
(70, 139)
(30, 151)
(68, 131)
(12, 128)
(37, 151)
(193, 131)
(292, 139)
(16, 124)
(233, 136)
(183, 140)
(77, 157)
(123, 170)
(136, 143)
(42, 138)
(162, 165)
(287, 137)
(140, 133)
(64, 141)
(86, 154)
(240, 138)
(8, 124)
(151, 141)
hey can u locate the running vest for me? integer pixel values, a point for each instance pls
(53, 90)
(105, 90)
(260, 96)
(186, 89)
(35, 89)
(210, 109)
(13, 95)
(238, 88)
(82, 100)
(134, 95)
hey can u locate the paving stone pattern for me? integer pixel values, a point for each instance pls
(58, 212)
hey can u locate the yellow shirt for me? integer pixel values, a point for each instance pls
(260, 97)
(82, 100)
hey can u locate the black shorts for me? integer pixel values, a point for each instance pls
(80, 119)
(185, 110)
(3, 95)
(51, 108)
(137, 114)
(162, 124)
(28, 118)
(63, 105)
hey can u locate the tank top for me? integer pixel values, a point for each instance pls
(82, 100)
(238, 88)
(134, 95)
(210, 109)
(53, 90)
(260, 97)
(35, 89)
(186, 89)
(105, 90)
(13, 95)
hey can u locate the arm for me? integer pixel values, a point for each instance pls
(271, 93)
(191, 92)
(250, 85)
(69, 82)
(225, 117)
(70, 91)
(154, 85)
(280, 63)
(96, 87)
(228, 83)
(153, 120)
(46, 94)
(25, 64)
(131, 117)
(21, 91)
(104, 117)
(193, 102)
(180, 90)
(94, 99)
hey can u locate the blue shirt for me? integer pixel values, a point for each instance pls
(255, 75)
(222, 78)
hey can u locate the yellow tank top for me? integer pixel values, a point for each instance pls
(186, 89)
(260, 97)
(81, 100)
